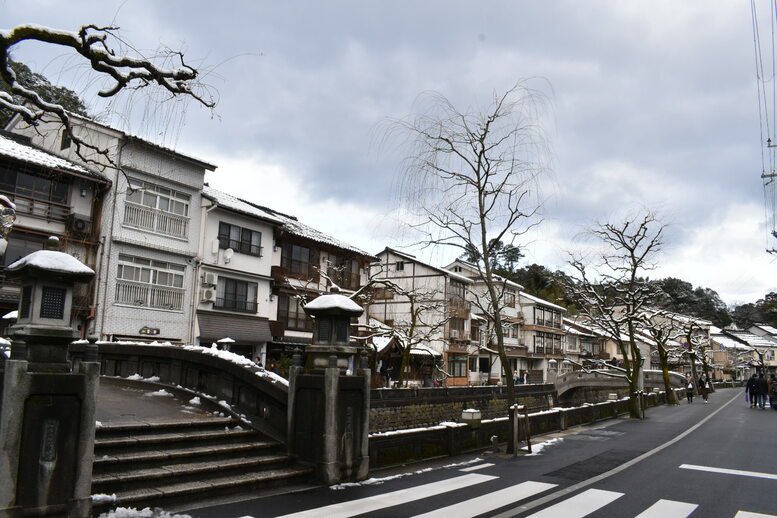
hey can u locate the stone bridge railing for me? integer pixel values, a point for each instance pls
(575, 380)
(250, 391)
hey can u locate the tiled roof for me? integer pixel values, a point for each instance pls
(16, 150)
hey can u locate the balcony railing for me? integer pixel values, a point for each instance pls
(155, 220)
(146, 295)
(47, 210)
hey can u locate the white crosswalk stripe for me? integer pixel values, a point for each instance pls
(745, 514)
(489, 502)
(668, 509)
(579, 505)
(377, 502)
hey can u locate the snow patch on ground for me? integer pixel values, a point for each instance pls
(381, 480)
(102, 498)
(131, 512)
(158, 393)
(536, 449)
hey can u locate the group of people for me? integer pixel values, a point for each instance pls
(704, 385)
(758, 388)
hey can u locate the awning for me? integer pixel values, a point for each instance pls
(241, 329)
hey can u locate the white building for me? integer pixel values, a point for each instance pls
(149, 231)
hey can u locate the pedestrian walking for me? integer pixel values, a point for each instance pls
(704, 387)
(689, 388)
(772, 391)
(750, 390)
(763, 391)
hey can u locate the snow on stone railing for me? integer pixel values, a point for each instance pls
(214, 351)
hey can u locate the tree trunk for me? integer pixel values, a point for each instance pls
(671, 397)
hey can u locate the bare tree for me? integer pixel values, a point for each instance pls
(664, 329)
(612, 292)
(106, 54)
(471, 179)
(426, 318)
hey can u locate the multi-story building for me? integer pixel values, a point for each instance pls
(235, 287)
(306, 263)
(485, 364)
(149, 230)
(53, 197)
(445, 321)
(543, 333)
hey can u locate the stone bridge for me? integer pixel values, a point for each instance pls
(579, 386)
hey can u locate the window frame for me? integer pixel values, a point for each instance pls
(243, 242)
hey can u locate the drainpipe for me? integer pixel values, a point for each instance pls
(109, 239)
(197, 265)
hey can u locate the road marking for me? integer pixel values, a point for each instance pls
(668, 509)
(491, 501)
(726, 471)
(745, 514)
(579, 505)
(475, 468)
(580, 485)
(374, 503)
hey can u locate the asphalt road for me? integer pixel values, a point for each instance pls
(699, 460)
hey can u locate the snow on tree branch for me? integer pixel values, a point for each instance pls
(106, 53)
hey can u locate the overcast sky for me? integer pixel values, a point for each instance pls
(653, 104)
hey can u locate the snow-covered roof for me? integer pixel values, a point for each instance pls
(409, 257)
(767, 328)
(51, 261)
(230, 202)
(538, 300)
(423, 350)
(473, 269)
(751, 339)
(11, 315)
(332, 301)
(728, 342)
(16, 150)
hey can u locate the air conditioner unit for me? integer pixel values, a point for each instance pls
(79, 223)
(455, 334)
(209, 295)
(208, 279)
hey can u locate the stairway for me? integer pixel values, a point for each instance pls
(167, 463)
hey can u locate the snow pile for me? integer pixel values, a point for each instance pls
(536, 449)
(138, 377)
(131, 512)
(376, 481)
(195, 401)
(160, 392)
(102, 498)
(51, 260)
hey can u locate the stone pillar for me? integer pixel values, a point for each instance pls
(47, 423)
(328, 420)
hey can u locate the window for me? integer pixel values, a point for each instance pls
(290, 312)
(36, 195)
(400, 266)
(457, 289)
(19, 245)
(149, 283)
(139, 269)
(296, 258)
(65, 140)
(344, 272)
(240, 239)
(157, 197)
(457, 366)
(510, 298)
(475, 330)
(236, 295)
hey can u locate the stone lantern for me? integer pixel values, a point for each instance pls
(332, 314)
(47, 418)
(328, 424)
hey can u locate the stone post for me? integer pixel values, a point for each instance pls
(47, 424)
(329, 399)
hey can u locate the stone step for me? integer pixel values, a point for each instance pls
(118, 479)
(103, 461)
(170, 494)
(108, 430)
(151, 437)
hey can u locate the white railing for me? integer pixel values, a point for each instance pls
(146, 295)
(155, 220)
